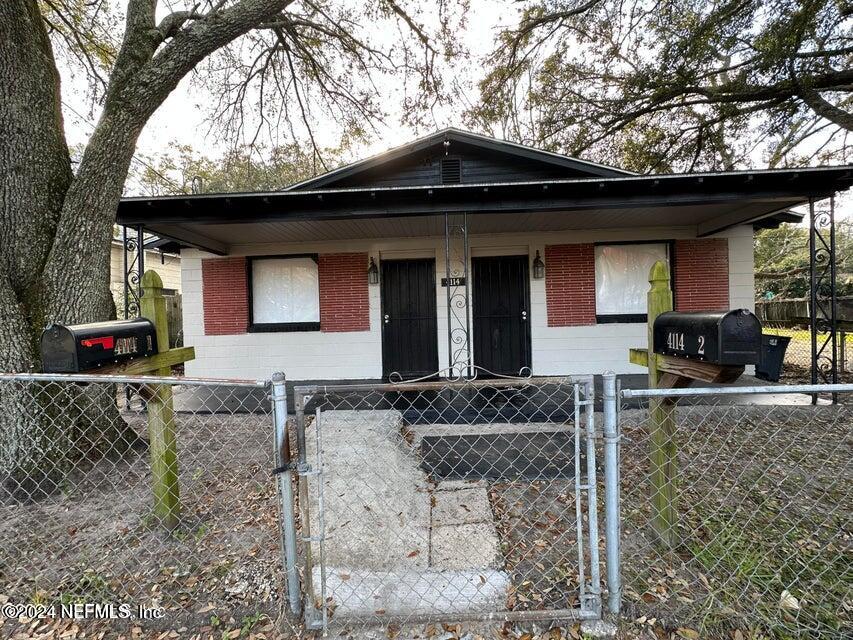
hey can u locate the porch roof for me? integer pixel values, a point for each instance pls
(711, 202)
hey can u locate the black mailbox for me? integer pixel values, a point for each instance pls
(721, 337)
(82, 347)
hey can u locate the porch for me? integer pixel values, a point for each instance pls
(415, 275)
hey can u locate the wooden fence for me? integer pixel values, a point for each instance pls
(796, 310)
(175, 316)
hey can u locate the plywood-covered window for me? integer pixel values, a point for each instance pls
(622, 279)
(285, 293)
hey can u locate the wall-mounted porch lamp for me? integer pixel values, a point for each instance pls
(538, 267)
(372, 272)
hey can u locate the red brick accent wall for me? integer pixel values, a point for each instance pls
(570, 284)
(344, 303)
(225, 296)
(702, 274)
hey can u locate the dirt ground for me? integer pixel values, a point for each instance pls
(537, 524)
(764, 545)
(98, 541)
(764, 541)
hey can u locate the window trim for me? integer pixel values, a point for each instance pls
(636, 318)
(278, 327)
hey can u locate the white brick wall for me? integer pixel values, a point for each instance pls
(355, 355)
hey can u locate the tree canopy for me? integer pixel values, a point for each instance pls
(782, 261)
(279, 64)
(676, 85)
(276, 64)
(182, 169)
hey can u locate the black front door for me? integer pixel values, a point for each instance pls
(409, 329)
(501, 313)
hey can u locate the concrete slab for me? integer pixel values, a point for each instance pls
(394, 542)
(468, 505)
(376, 501)
(456, 485)
(418, 431)
(460, 547)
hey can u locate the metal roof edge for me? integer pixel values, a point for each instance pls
(670, 177)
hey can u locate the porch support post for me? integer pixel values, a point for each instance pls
(823, 304)
(458, 298)
(133, 262)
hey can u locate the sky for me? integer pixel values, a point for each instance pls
(181, 119)
(182, 116)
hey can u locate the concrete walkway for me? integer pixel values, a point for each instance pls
(396, 544)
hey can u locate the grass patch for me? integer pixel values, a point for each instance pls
(803, 336)
(763, 526)
(790, 581)
(90, 586)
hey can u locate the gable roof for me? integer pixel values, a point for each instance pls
(509, 150)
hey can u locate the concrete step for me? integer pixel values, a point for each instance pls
(356, 593)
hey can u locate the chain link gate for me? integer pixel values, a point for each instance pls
(447, 501)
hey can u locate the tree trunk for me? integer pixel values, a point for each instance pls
(55, 237)
(56, 228)
(36, 173)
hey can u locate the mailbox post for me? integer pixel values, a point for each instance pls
(711, 346)
(662, 417)
(138, 346)
(161, 412)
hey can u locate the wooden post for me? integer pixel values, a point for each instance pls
(661, 417)
(161, 412)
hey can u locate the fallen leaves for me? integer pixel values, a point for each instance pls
(788, 601)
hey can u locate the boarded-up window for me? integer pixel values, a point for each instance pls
(622, 277)
(285, 291)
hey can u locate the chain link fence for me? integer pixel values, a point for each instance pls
(736, 514)
(432, 503)
(448, 501)
(77, 523)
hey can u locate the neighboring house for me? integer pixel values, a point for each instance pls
(280, 280)
(167, 265)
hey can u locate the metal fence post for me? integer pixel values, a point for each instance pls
(592, 495)
(611, 494)
(284, 473)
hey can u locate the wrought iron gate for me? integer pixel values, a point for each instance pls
(448, 501)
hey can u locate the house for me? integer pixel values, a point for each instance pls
(455, 248)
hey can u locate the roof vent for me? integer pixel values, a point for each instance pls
(451, 170)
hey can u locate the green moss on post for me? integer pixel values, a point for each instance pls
(161, 412)
(661, 419)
